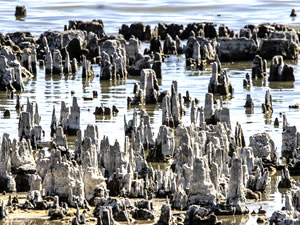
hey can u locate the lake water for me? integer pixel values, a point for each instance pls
(49, 91)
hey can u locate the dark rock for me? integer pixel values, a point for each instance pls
(143, 214)
(157, 65)
(267, 106)
(23, 182)
(271, 47)
(210, 30)
(169, 45)
(219, 82)
(223, 31)
(56, 214)
(286, 180)
(6, 113)
(155, 45)
(20, 11)
(118, 208)
(199, 215)
(144, 204)
(138, 30)
(3, 210)
(259, 67)
(166, 217)
(115, 110)
(74, 49)
(99, 110)
(239, 136)
(246, 81)
(249, 102)
(276, 122)
(293, 13)
(236, 49)
(195, 28)
(171, 29)
(280, 71)
(95, 26)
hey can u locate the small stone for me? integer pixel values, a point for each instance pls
(276, 122)
(95, 94)
(295, 106)
(6, 113)
(293, 13)
(20, 11)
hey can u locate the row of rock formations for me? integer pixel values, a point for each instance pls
(84, 43)
(212, 173)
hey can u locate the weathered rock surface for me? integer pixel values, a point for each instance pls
(219, 82)
(138, 30)
(280, 71)
(236, 49)
(95, 26)
(113, 59)
(199, 52)
(259, 68)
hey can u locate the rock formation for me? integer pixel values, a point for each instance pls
(259, 68)
(280, 71)
(219, 82)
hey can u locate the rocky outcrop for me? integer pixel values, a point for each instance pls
(113, 60)
(147, 90)
(280, 71)
(219, 82)
(290, 142)
(3, 210)
(249, 102)
(166, 216)
(202, 190)
(286, 180)
(212, 114)
(289, 213)
(20, 11)
(263, 147)
(199, 52)
(95, 26)
(236, 49)
(70, 117)
(267, 106)
(280, 43)
(138, 30)
(235, 194)
(259, 68)
(11, 72)
(200, 215)
(63, 39)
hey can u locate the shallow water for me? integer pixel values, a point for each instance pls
(49, 91)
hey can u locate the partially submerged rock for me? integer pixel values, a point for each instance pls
(280, 71)
(236, 49)
(219, 82)
(138, 30)
(267, 106)
(20, 11)
(95, 26)
(259, 68)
